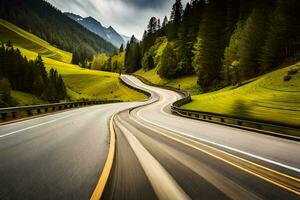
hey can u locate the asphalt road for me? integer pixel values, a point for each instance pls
(163, 156)
(59, 156)
(158, 156)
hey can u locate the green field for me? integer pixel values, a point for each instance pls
(188, 83)
(268, 97)
(81, 83)
(26, 99)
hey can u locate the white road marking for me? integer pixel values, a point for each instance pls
(163, 183)
(35, 126)
(215, 143)
(220, 145)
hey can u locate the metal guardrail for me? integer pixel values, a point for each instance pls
(262, 126)
(134, 88)
(14, 111)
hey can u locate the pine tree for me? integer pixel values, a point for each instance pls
(39, 86)
(253, 39)
(186, 43)
(175, 19)
(176, 13)
(211, 44)
(152, 26)
(121, 50)
(165, 22)
(133, 56)
(41, 68)
(283, 37)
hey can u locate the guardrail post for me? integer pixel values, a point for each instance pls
(240, 123)
(39, 111)
(46, 109)
(14, 115)
(59, 108)
(3, 116)
(222, 120)
(209, 117)
(53, 108)
(29, 113)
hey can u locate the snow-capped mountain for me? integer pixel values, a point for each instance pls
(109, 34)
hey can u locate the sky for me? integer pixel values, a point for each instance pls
(128, 17)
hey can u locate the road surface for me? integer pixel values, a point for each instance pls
(163, 156)
(158, 156)
(59, 156)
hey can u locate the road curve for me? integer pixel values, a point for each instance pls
(164, 156)
(59, 156)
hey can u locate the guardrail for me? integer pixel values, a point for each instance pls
(134, 88)
(266, 127)
(29, 110)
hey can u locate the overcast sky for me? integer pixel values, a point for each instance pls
(128, 17)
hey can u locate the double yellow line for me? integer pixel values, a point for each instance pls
(287, 182)
(284, 181)
(108, 164)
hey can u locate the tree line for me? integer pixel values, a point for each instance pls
(223, 41)
(30, 76)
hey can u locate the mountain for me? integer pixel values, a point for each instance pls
(109, 34)
(47, 22)
(126, 38)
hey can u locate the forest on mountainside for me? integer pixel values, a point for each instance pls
(45, 21)
(30, 76)
(224, 42)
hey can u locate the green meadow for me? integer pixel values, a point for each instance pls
(268, 97)
(81, 83)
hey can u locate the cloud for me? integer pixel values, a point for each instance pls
(126, 16)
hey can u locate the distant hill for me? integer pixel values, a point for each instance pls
(109, 34)
(44, 20)
(81, 83)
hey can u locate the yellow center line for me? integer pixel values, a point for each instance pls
(229, 162)
(108, 164)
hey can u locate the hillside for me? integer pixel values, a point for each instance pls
(81, 83)
(188, 83)
(48, 23)
(109, 34)
(28, 41)
(268, 97)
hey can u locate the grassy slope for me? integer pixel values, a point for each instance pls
(26, 99)
(268, 97)
(188, 83)
(81, 83)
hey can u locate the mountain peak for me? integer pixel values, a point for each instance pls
(109, 34)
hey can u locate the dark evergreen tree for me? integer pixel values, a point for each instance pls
(175, 19)
(186, 43)
(253, 38)
(212, 45)
(121, 50)
(283, 37)
(152, 26)
(165, 22)
(133, 56)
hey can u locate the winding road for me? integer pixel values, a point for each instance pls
(158, 155)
